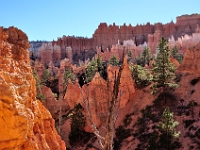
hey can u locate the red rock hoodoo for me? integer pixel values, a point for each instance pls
(105, 36)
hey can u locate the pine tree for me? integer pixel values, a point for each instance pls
(146, 54)
(95, 65)
(45, 77)
(139, 60)
(113, 60)
(101, 68)
(130, 54)
(99, 63)
(174, 53)
(167, 128)
(140, 75)
(163, 70)
(145, 57)
(78, 121)
(69, 75)
(38, 84)
(91, 69)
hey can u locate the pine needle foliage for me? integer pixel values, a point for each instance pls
(140, 75)
(95, 65)
(77, 124)
(38, 85)
(113, 60)
(167, 125)
(45, 77)
(168, 138)
(163, 70)
(146, 55)
(69, 75)
(176, 55)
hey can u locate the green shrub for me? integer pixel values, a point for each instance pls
(95, 65)
(68, 75)
(113, 61)
(140, 75)
(38, 85)
(45, 77)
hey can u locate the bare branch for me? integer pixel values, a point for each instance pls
(118, 109)
(94, 129)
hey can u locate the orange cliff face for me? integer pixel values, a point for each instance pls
(24, 123)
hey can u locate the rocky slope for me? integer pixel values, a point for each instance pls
(180, 103)
(24, 123)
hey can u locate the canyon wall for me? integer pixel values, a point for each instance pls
(24, 123)
(105, 36)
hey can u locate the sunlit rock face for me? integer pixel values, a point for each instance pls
(191, 60)
(24, 123)
(126, 87)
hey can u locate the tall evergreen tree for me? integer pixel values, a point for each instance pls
(146, 54)
(163, 70)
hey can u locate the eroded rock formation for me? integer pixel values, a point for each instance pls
(105, 36)
(24, 123)
(97, 93)
(191, 61)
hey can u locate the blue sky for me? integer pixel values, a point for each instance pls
(49, 19)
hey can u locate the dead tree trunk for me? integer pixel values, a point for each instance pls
(106, 143)
(113, 112)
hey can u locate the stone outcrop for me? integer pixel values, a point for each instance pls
(96, 92)
(153, 40)
(126, 82)
(24, 122)
(73, 95)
